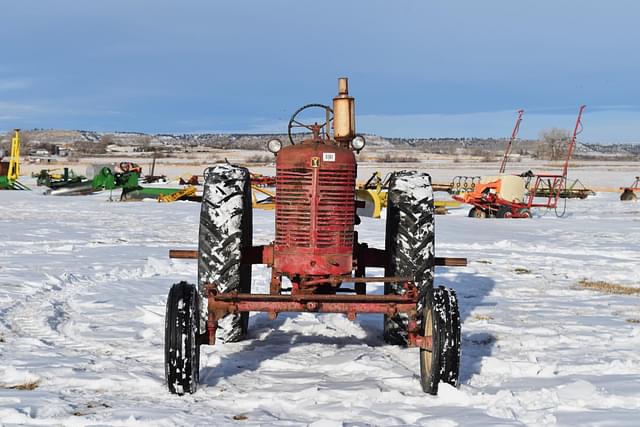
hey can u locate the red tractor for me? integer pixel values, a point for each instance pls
(318, 264)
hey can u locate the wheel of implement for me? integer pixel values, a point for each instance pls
(181, 350)
(628, 195)
(524, 213)
(432, 327)
(450, 352)
(504, 212)
(477, 213)
(226, 229)
(409, 242)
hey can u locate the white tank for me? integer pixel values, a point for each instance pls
(512, 188)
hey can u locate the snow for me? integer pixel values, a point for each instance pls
(83, 285)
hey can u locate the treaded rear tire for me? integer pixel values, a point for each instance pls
(226, 230)
(409, 242)
(181, 350)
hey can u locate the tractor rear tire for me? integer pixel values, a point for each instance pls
(181, 349)
(226, 231)
(409, 242)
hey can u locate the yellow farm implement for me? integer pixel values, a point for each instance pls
(173, 197)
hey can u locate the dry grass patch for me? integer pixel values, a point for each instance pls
(29, 385)
(482, 317)
(609, 288)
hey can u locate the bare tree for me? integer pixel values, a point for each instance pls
(553, 143)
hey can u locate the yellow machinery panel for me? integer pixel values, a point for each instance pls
(14, 163)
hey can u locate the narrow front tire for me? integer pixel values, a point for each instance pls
(181, 350)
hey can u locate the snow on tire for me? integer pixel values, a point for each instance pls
(225, 230)
(450, 353)
(440, 321)
(181, 350)
(409, 242)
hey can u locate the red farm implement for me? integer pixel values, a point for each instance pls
(260, 180)
(509, 196)
(318, 265)
(514, 135)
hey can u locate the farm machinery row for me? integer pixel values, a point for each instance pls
(318, 264)
(126, 176)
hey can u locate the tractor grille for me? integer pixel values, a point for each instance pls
(293, 207)
(335, 209)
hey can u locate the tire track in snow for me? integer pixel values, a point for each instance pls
(43, 314)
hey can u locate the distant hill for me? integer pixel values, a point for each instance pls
(81, 139)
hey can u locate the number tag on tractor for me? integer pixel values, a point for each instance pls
(329, 157)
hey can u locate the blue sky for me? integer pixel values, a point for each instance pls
(417, 68)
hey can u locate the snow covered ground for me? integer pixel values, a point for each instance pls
(83, 283)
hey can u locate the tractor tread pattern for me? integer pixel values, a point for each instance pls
(409, 241)
(450, 320)
(225, 229)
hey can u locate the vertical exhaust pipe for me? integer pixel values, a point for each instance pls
(344, 114)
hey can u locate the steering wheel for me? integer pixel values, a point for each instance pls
(293, 123)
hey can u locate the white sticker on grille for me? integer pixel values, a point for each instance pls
(329, 157)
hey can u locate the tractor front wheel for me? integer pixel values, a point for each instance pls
(440, 361)
(430, 357)
(181, 349)
(451, 349)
